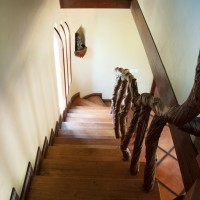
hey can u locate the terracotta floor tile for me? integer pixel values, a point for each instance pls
(165, 194)
(168, 173)
(160, 154)
(165, 141)
(173, 153)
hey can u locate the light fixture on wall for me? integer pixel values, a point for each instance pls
(80, 47)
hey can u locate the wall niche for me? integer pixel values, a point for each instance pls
(80, 47)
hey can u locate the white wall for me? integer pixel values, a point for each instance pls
(113, 41)
(175, 27)
(28, 94)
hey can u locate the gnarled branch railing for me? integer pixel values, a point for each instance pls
(183, 116)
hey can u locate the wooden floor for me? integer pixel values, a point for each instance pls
(85, 161)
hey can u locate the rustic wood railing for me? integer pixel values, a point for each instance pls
(183, 116)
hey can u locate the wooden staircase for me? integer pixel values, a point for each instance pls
(85, 162)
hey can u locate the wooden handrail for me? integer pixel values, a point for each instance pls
(183, 116)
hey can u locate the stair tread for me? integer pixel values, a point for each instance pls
(84, 102)
(96, 99)
(91, 119)
(62, 188)
(90, 111)
(87, 133)
(93, 153)
(86, 125)
(101, 146)
(105, 108)
(100, 169)
(90, 115)
(85, 141)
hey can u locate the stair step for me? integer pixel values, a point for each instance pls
(62, 188)
(90, 119)
(90, 111)
(97, 100)
(84, 102)
(87, 133)
(102, 146)
(90, 115)
(86, 126)
(90, 108)
(85, 141)
(84, 154)
(88, 169)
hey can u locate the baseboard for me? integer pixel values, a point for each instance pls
(39, 156)
(45, 147)
(51, 138)
(37, 161)
(14, 195)
(77, 95)
(27, 180)
(56, 128)
(107, 102)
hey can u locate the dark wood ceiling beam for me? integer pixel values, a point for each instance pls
(95, 3)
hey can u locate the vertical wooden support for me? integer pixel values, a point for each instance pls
(129, 134)
(140, 133)
(194, 192)
(124, 112)
(151, 143)
(115, 93)
(118, 108)
(113, 105)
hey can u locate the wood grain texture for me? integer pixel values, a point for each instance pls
(95, 4)
(88, 189)
(85, 141)
(87, 133)
(186, 156)
(88, 169)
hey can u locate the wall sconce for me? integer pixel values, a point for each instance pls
(80, 48)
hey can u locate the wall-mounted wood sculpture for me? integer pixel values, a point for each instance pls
(80, 48)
